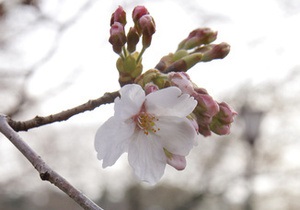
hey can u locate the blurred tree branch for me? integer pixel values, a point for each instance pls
(46, 173)
(26, 73)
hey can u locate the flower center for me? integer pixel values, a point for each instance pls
(146, 122)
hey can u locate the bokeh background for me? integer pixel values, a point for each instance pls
(54, 55)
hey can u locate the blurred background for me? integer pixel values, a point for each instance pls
(54, 55)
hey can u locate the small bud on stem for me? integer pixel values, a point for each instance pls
(117, 37)
(197, 38)
(118, 16)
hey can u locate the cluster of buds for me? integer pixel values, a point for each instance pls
(195, 48)
(209, 115)
(129, 63)
(160, 123)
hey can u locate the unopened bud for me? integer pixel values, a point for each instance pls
(220, 129)
(117, 37)
(147, 25)
(182, 81)
(138, 12)
(180, 54)
(147, 28)
(226, 113)
(218, 51)
(198, 37)
(118, 16)
(167, 60)
(222, 120)
(132, 39)
(185, 63)
(206, 104)
(203, 122)
(153, 76)
(205, 110)
(150, 87)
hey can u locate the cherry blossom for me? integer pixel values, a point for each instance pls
(153, 129)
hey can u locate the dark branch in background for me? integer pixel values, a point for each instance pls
(64, 115)
(61, 28)
(26, 73)
(46, 173)
(22, 99)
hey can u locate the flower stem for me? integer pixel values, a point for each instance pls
(140, 55)
(124, 52)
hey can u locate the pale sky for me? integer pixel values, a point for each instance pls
(264, 41)
(263, 38)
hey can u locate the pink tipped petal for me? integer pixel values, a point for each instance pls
(147, 158)
(112, 140)
(177, 161)
(176, 134)
(170, 102)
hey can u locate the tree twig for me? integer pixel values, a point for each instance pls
(64, 115)
(46, 173)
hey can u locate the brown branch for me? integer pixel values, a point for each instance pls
(64, 115)
(46, 173)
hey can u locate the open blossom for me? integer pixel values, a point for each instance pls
(153, 129)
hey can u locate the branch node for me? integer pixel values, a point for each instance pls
(45, 176)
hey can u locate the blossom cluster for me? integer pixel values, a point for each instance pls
(160, 114)
(129, 64)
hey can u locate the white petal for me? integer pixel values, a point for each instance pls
(176, 134)
(170, 102)
(147, 158)
(132, 98)
(112, 140)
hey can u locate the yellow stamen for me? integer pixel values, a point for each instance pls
(146, 122)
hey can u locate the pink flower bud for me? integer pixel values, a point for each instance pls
(206, 103)
(218, 51)
(118, 16)
(203, 123)
(226, 113)
(205, 110)
(220, 129)
(138, 12)
(150, 87)
(132, 39)
(222, 120)
(182, 81)
(117, 37)
(146, 27)
(198, 37)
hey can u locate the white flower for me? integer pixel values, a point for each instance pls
(153, 129)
